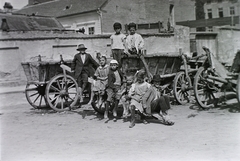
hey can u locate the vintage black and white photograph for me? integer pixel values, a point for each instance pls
(120, 80)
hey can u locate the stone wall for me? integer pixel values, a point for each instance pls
(17, 47)
(228, 44)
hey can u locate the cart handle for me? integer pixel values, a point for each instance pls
(65, 67)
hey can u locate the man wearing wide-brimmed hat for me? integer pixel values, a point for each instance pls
(155, 102)
(83, 66)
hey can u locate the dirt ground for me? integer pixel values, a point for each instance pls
(83, 135)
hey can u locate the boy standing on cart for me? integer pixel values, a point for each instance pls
(83, 66)
(118, 43)
(134, 41)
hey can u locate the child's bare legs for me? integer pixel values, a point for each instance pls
(132, 123)
(106, 110)
(92, 94)
(125, 107)
(115, 108)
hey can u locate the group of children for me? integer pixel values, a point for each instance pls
(140, 95)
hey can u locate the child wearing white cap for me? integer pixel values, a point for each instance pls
(115, 80)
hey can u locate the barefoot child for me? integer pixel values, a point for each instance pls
(125, 99)
(136, 93)
(118, 43)
(101, 77)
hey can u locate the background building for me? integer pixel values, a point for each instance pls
(215, 14)
(98, 16)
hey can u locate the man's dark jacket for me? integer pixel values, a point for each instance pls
(89, 66)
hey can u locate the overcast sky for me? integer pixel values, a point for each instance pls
(17, 4)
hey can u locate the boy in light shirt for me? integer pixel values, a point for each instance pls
(118, 43)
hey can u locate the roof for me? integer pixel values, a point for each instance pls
(18, 22)
(62, 8)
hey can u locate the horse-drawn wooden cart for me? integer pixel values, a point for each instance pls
(183, 81)
(213, 80)
(50, 85)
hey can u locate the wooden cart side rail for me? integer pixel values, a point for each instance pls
(167, 54)
(46, 62)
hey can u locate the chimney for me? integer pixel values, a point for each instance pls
(8, 7)
(4, 25)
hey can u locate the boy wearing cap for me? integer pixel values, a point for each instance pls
(118, 43)
(83, 66)
(115, 80)
(154, 102)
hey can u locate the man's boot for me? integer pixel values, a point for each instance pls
(132, 123)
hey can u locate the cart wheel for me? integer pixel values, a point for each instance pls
(238, 88)
(97, 104)
(181, 88)
(62, 94)
(205, 90)
(35, 94)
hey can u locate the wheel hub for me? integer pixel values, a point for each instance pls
(63, 93)
(184, 87)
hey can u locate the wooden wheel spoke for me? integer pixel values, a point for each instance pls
(54, 98)
(202, 85)
(72, 92)
(54, 88)
(31, 89)
(178, 87)
(62, 103)
(33, 94)
(179, 83)
(63, 83)
(71, 86)
(59, 86)
(40, 101)
(181, 79)
(71, 98)
(54, 93)
(56, 102)
(36, 98)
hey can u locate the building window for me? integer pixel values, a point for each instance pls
(209, 11)
(220, 12)
(232, 11)
(210, 29)
(91, 30)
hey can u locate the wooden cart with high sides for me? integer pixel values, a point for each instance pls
(50, 84)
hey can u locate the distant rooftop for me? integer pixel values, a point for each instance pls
(61, 8)
(18, 22)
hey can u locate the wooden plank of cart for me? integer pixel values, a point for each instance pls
(50, 84)
(165, 64)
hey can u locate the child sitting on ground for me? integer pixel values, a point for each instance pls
(136, 93)
(115, 80)
(125, 99)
